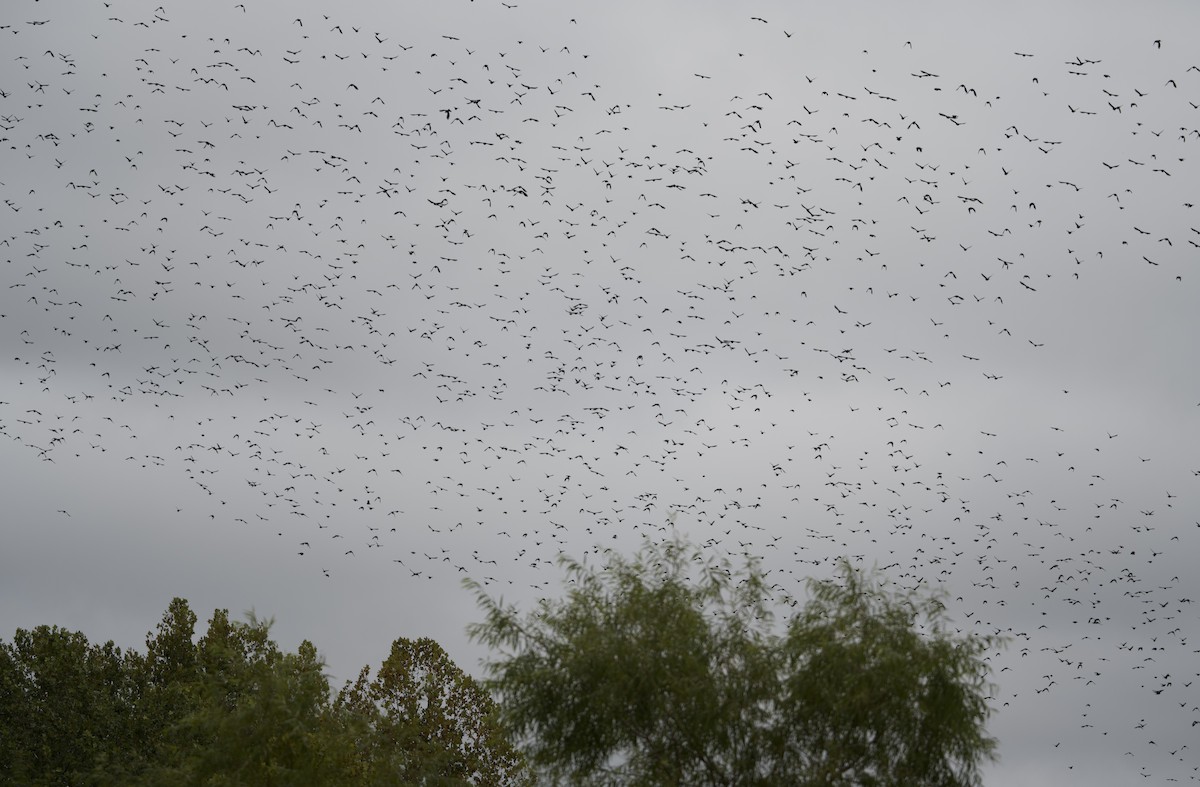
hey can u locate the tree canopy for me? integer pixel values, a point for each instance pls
(665, 668)
(232, 708)
(670, 668)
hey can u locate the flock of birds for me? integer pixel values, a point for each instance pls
(461, 297)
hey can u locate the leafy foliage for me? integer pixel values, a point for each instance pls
(668, 668)
(64, 706)
(233, 709)
(439, 721)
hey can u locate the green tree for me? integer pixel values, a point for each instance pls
(163, 686)
(234, 709)
(669, 668)
(66, 707)
(256, 715)
(875, 698)
(431, 722)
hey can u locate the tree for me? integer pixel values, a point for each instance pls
(669, 668)
(164, 680)
(65, 706)
(234, 709)
(431, 723)
(257, 715)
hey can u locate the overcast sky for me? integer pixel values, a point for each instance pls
(318, 312)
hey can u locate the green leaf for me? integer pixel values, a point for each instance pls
(668, 668)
